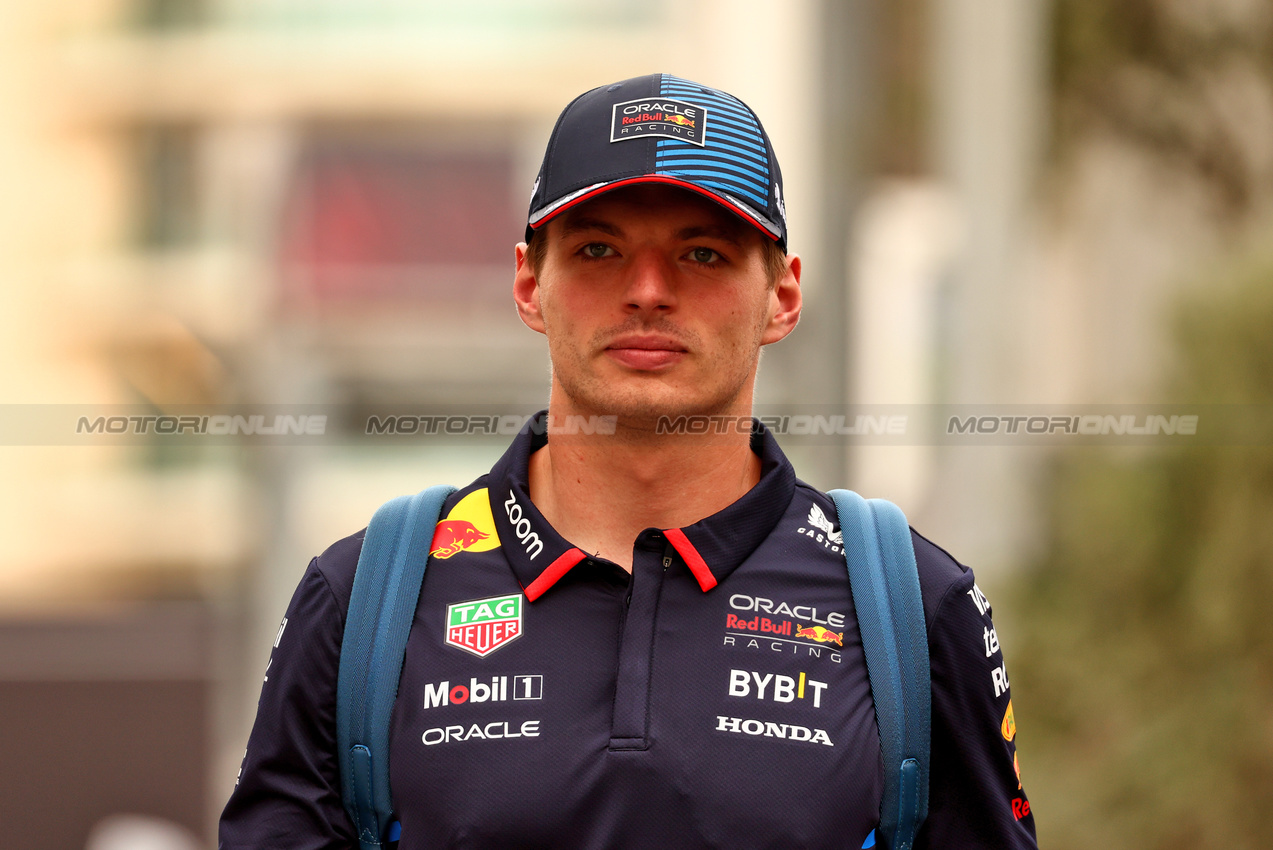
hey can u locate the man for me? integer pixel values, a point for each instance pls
(640, 639)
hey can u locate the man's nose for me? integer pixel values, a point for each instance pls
(650, 282)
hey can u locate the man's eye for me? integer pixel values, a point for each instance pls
(704, 255)
(596, 250)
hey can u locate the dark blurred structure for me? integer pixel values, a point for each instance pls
(105, 715)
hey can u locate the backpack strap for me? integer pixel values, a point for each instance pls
(395, 551)
(890, 612)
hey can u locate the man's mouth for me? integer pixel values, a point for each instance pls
(646, 352)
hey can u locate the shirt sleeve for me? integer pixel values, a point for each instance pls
(976, 799)
(288, 790)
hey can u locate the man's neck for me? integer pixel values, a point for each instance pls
(600, 491)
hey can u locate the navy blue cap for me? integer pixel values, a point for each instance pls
(661, 129)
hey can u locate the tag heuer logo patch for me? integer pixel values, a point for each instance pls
(484, 625)
(659, 116)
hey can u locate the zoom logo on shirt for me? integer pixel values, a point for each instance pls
(521, 526)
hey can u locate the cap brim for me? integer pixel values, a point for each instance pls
(738, 208)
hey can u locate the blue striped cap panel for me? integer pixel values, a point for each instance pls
(733, 158)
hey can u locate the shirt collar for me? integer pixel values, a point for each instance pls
(712, 548)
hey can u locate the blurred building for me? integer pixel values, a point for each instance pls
(274, 202)
(228, 202)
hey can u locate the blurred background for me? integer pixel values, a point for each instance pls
(274, 202)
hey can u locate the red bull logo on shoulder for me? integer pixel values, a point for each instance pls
(454, 535)
(469, 527)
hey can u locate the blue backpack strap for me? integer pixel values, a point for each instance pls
(890, 612)
(395, 551)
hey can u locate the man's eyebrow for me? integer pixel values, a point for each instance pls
(728, 234)
(578, 224)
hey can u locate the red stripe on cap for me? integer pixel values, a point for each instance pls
(656, 178)
(553, 572)
(692, 559)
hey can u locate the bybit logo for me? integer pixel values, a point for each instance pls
(785, 688)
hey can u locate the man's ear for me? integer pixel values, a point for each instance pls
(784, 303)
(526, 290)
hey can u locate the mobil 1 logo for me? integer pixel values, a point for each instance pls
(659, 116)
(494, 689)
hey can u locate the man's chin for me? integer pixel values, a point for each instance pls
(646, 405)
(663, 416)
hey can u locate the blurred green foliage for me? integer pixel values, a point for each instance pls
(1142, 644)
(1180, 79)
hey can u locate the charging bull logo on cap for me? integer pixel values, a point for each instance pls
(469, 527)
(659, 116)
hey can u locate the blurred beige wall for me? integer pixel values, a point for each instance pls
(151, 154)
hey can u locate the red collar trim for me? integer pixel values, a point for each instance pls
(558, 568)
(553, 572)
(692, 559)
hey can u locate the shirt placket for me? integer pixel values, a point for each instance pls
(630, 725)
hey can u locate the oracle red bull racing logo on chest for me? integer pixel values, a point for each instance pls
(659, 116)
(469, 527)
(800, 629)
(482, 626)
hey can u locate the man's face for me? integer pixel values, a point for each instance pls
(655, 301)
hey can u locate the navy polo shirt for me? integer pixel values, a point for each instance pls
(717, 696)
